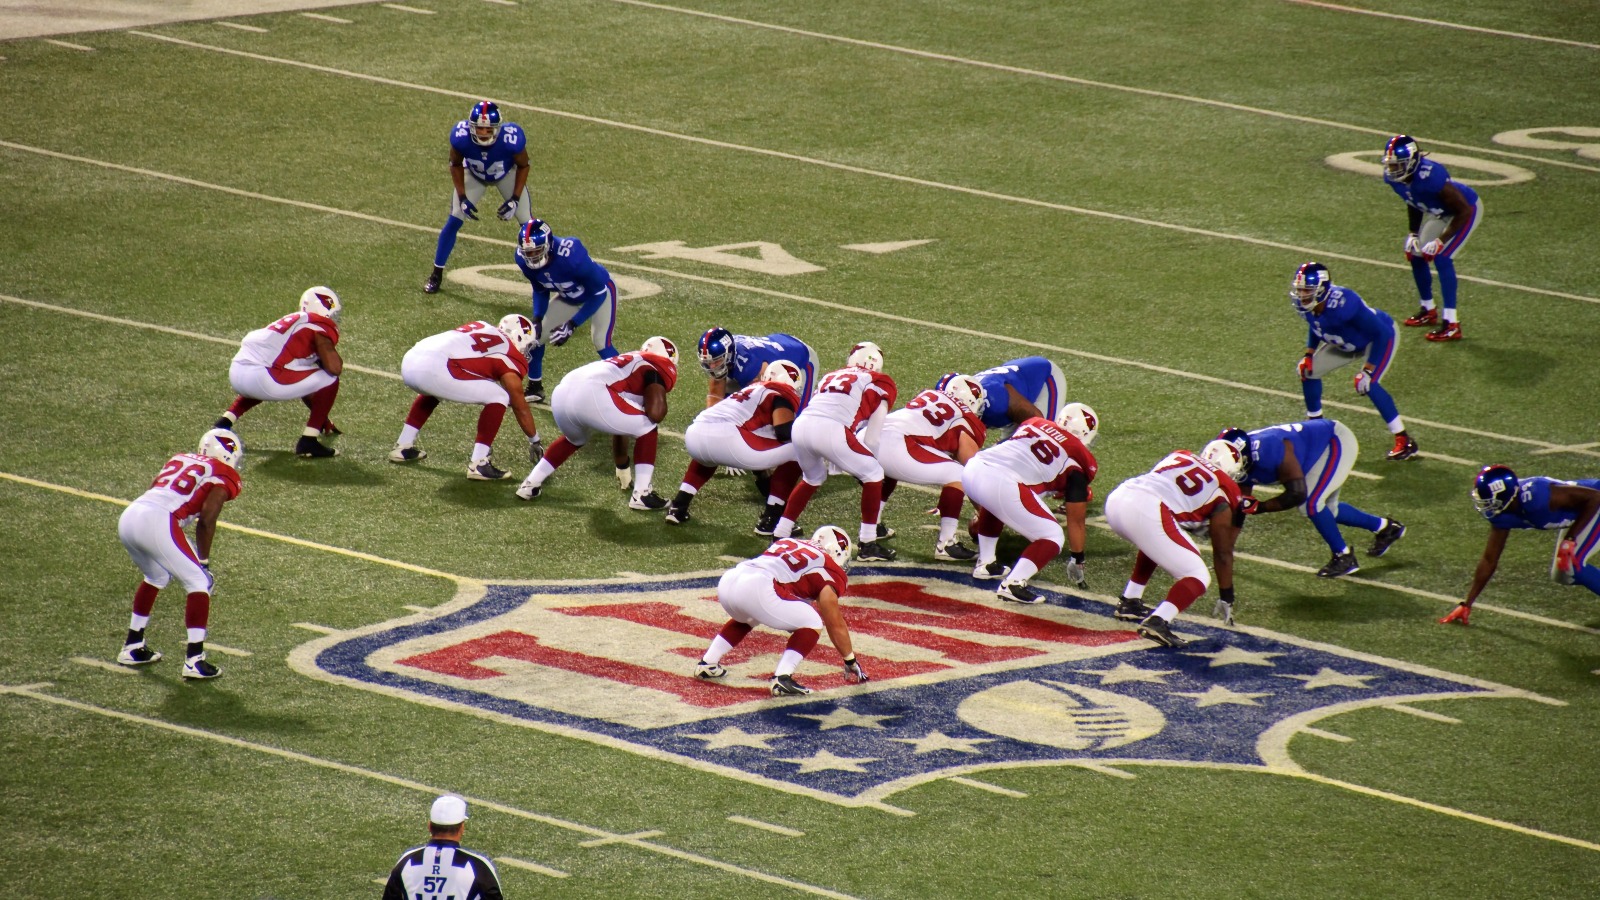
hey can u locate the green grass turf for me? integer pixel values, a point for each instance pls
(95, 406)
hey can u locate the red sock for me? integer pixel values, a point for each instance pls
(489, 422)
(734, 632)
(783, 479)
(950, 502)
(242, 405)
(144, 598)
(644, 448)
(889, 484)
(421, 409)
(802, 641)
(798, 498)
(1185, 592)
(871, 502)
(558, 451)
(1143, 568)
(699, 473)
(197, 610)
(987, 524)
(321, 404)
(1041, 552)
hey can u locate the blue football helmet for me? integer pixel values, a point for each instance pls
(534, 241)
(484, 123)
(1310, 286)
(716, 352)
(1401, 157)
(1493, 490)
(1239, 438)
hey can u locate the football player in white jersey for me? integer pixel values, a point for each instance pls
(1148, 511)
(928, 442)
(624, 396)
(294, 358)
(794, 586)
(190, 488)
(749, 430)
(838, 427)
(476, 363)
(1007, 482)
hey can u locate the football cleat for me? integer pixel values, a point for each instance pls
(989, 571)
(1404, 448)
(1309, 286)
(1424, 316)
(527, 491)
(647, 502)
(1385, 537)
(1159, 630)
(677, 515)
(1342, 564)
(872, 551)
(431, 286)
(707, 671)
(407, 454)
(955, 551)
(137, 655)
(1449, 331)
(885, 532)
(1018, 592)
(768, 522)
(308, 448)
(485, 470)
(196, 668)
(1130, 609)
(786, 686)
(534, 392)
(222, 445)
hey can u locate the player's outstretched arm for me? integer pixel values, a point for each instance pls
(833, 620)
(1293, 479)
(519, 406)
(655, 402)
(1487, 563)
(1020, 409)
(205, 526)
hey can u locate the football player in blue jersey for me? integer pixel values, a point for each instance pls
(569, 289)
(736, 361)
(1020, 389)
(1546, 504)
(483, 151)
(1311, 460)
(1343, 328)
(1442, 215)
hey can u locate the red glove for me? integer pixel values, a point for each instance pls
(1458, 615)
(1566, 564)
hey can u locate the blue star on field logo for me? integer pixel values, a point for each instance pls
(960, 681)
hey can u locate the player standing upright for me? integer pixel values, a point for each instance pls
(483, 151)
(294, 358)
(1442, 215)
(825, 431)
(569, 289)
(1541, 503)
(476, 363)
(1342, 329)
(928, 442)
(1311, 460)
(191, 487)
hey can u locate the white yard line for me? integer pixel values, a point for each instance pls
(1574, 448)
(1423, 714)
(236, 25)
(313, 627)
(228, 651)
(1440, 23)
(322, 18)
(69, 46)
(515, 863)
(1326, 735)
(1089, 82)
(103, 664)
(408, 9)
(766, 826)
(986, 786)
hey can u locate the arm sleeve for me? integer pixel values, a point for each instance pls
(1075, 489)
(649, 376)
(1414, 217)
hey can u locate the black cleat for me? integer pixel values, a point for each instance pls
(1018, 592)
(1342, 564)
(990, 571)
(431, 286)
(308, 448)
(486, 471)
(224, 422)
(137, 655)
(954, 551)
(196, 668)
(407, 454)
(1386, 536)
(1131, 610)
(677, 515)
(768, 522)
(534, 392)
(708, 671)
(786, 686)
(647, 502)
(872, 551)
(1404, 449)
(1157, 629)
(885, 532)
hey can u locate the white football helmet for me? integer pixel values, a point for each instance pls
(1225, 456)
(223, 446)
(782, 371)
(1080, 421)
(866, 355)
(322, 301)
(834, 542)
(965, 390)
(660, 346)
(518, 329)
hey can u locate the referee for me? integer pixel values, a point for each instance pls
(442, 868)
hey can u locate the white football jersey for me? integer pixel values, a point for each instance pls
(473, 349)
(849, 396)
(1039, 453)
(749, 409)
(799, 569)
(1189, 486)
(287, 343)
(183, 483)
(934, 422)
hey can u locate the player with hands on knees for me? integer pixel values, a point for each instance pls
(795, 586)
(1541, 503)
(294, 358)
(483, 151)
(1441, 216)
(569, 290)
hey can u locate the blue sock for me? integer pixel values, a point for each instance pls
(1447, 280)
(1329, 529)
(1312, 388)
(1424, 280)
(447, 241)
(1349, 515)
(1385, 404)
(607, 352)
(1589, 577)
(536, 362)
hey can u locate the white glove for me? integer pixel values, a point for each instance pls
(535, 449)
(732, 472)
(561, 334)
(1413, 245)
(854, 670)
(468, 208)
(1363, 382)
(625, 476)
(1432, 248)
(1075, 572)
(1224, 611)
(507, 211)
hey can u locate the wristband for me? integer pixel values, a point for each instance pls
(850, 660)
(1077, 557)
(1227, 594)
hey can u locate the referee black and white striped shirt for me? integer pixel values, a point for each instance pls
(442, 869)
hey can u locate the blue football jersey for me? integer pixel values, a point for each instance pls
(1310, 439)
(1533, 505)
(1422, 191)
(495, 161)
(751, 354)
(1347, 322)
(569, 273)
(1027, 375)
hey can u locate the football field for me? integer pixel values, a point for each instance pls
(1124, 188)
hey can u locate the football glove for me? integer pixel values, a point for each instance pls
(854, 670)
(732, 472)
(1304, 367)
(535, 449)
(1075, 573)
(507, 211)
(1566, 566)
(1413, 246)
(1249, 505)
(625, 475)
(468, 208)
(538, 333)
(1431, 249)
(1458, 615)
(1363, 382)
(560, 335)
(1224, 611)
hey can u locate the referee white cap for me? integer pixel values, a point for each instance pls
(449, 809)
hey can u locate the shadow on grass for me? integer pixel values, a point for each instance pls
(282, 465)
